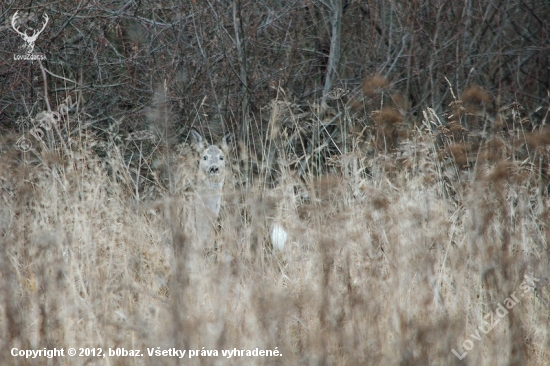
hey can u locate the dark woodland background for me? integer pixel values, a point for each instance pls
(230, 59)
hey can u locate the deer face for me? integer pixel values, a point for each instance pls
(212, 160)
(212, 163)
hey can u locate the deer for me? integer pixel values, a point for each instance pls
(209, 182)
(29, 47)
(206, 201)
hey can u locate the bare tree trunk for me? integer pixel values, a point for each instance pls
(334, 57)
(241, 55)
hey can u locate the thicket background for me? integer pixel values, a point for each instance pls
(402, 144)
(234, 55)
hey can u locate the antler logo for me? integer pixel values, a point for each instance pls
(29, 47)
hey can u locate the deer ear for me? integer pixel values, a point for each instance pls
(226, 140)
(198, 141)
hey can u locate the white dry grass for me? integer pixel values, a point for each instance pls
(279, 236)
(397, 267)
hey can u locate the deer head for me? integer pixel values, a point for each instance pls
(212, 159)
(29, 39)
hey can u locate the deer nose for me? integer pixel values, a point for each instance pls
(213, 170)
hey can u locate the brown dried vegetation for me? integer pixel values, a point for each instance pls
(399, 236)
(411, 216)
(374, 84)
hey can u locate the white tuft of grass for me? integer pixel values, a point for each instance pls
(279, 237)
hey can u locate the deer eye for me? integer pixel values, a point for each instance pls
(205, 157)
(221, 157)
